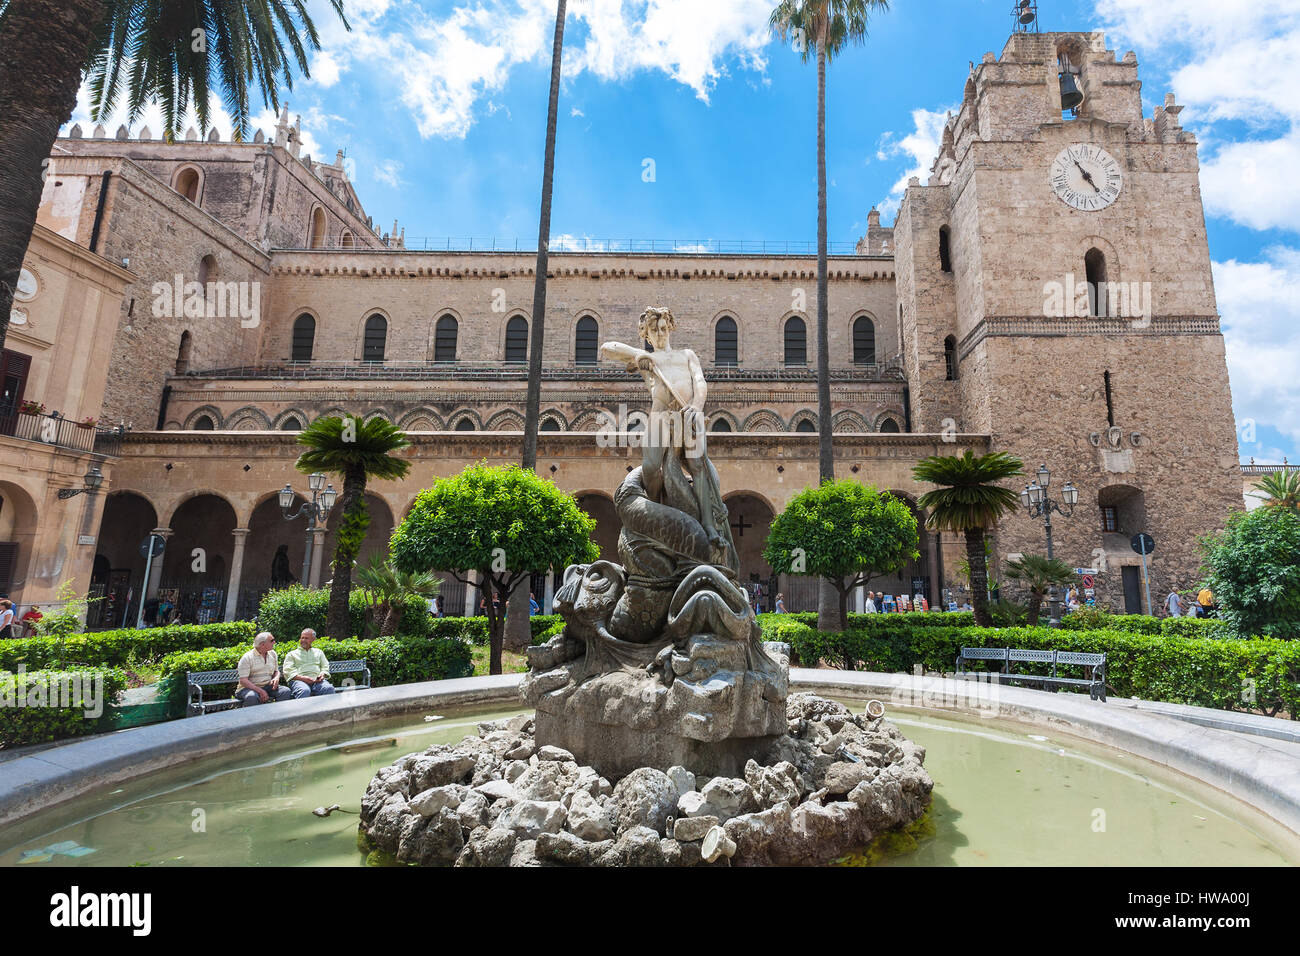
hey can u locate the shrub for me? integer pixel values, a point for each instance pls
(26, 714)
(1256, 673)
(392, 660)
(119, 648)
(288, 612)
(1254, 572)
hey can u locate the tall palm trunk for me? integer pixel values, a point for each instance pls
(42, 50)
(520, 635)
(537, 334)
(351, 533)
(830, 603)
(979, 576)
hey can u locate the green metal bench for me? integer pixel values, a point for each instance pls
(1093, 665)
(198, 681)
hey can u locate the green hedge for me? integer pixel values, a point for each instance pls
(26, 714)
(1087, 620)
(392, 660)
(475, 629)
(1221, 674)
(287, 613)
(120, 648)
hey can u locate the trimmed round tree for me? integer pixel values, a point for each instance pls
(504, 523)
(1254, 572)
(845, 533)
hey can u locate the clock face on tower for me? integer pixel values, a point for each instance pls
(1086, 177)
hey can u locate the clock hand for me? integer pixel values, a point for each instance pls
(1087, 177)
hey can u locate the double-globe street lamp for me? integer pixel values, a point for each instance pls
(1038, 503)
(316, 510)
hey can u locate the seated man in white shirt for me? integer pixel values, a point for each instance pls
(259, 673)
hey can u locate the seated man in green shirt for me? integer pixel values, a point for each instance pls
(306, 669)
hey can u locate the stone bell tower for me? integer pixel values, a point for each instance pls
(1055, 293)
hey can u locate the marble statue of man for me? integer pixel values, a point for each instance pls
(677, 426)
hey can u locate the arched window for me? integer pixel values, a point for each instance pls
(864, 341)
(584, 341)
(945, 256)
(890, 426)
(950, 357)
(805, 425)
(725, 350)
(208, 270)
(183, 354)
(444, 339)
(376, 336)
(204, 424)
(346, 241)
(550, 425)
(517, 339)
(304, 338)
(796, 342)
(291, 424)
(189, 183)
(466, 424)
(1094, 265)
(720, 425)
(316, 238)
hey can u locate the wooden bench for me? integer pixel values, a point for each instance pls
(1094, 667)
(197, 681)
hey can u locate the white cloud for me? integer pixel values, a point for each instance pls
(920, 147)
(389, 172)
(1260, 305)
(1230, 60)
(576, 112)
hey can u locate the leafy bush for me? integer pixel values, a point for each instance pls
(40, 706)
(392, 660)
(288, 612)
(120, 648)
(1256, 673)
(1254, 572)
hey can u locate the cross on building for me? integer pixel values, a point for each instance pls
(740, 526)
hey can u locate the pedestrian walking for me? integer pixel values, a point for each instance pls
(6, 619)
(1174, 604)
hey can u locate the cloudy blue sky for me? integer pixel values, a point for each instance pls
(440, 106)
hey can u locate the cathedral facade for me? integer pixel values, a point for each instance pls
(1047, 293)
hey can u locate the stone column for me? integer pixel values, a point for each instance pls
(236, 573)
(155, 570)
(317, 555)
(549, 594)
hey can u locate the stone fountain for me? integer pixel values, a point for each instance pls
(664, 731)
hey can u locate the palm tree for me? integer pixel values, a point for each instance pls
(388, 585)
(147, 50)
(826, 26)
(519, 632)
(969, 501)
(829, 26)
(358, 451)
(1281, 489)
(1040, 575)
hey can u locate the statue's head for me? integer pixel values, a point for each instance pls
(655, 325)
(590, 591)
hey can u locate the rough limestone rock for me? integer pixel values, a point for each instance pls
(682, 778)
(528, 818)
(588, 819)
(688, 829)
(430, 801)
(727, 797)
(644, 798)
(831, 785)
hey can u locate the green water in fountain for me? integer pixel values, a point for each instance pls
(1004, 795)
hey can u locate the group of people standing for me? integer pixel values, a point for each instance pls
(1178, 606)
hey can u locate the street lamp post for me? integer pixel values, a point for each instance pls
(317, 509)
(1039, 504)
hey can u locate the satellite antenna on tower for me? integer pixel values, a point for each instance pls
(1025, 15)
